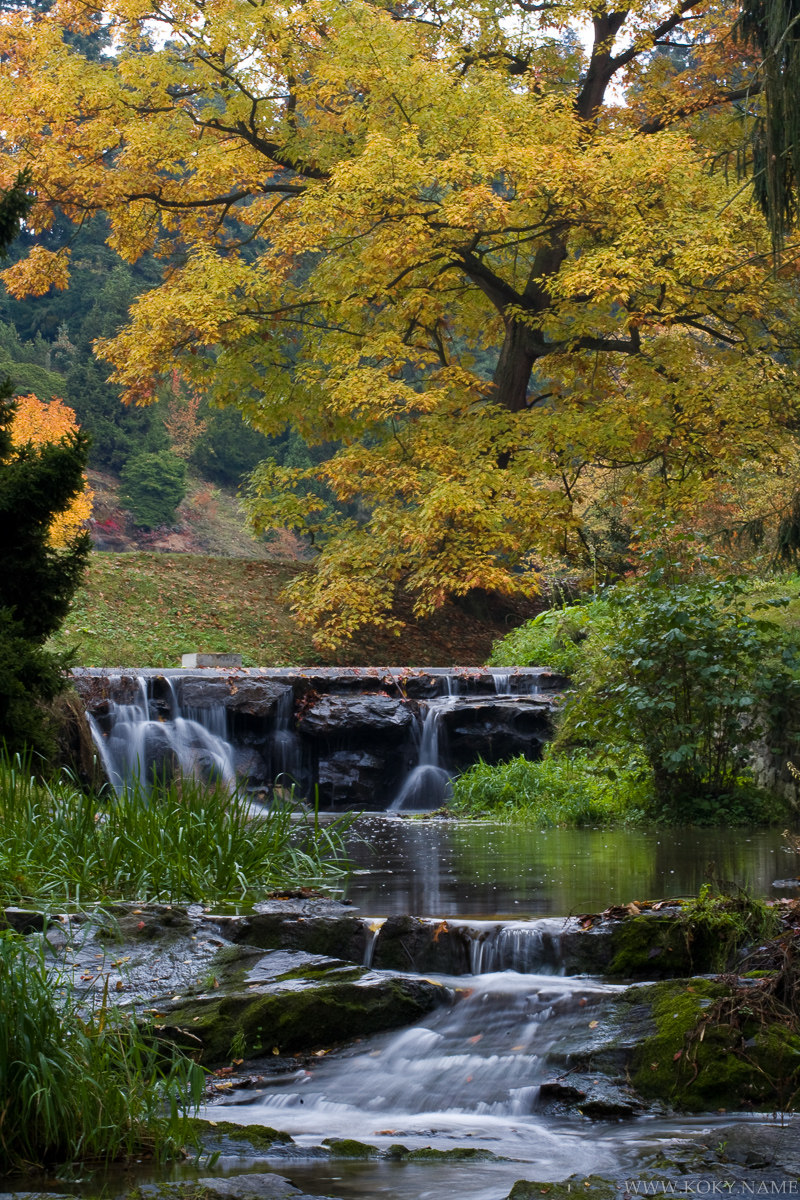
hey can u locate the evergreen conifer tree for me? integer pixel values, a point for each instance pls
(37, 581)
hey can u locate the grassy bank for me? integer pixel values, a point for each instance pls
(78, 1086)
(182, 843)
(146, 610)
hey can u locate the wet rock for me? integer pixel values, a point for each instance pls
(349, 1148)
(337, 936)
(496, 729)
(229, 1138)
(236, 1187)
(351, 777)
(303, 1013)
(239, 694)
(412, 944)
(332, 716)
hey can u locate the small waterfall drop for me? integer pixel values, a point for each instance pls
(427, 785)
(136, 741)
(285, 746)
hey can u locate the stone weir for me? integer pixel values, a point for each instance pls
(374, 737)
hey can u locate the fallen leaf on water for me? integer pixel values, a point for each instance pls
(582, 1002)
(520, 1047)
(374, 1053)
(593, 1024)
(238, 1061)
(140, 925)
(475, 1039)
(469, 1079)
(385, 1132)
(176, 997)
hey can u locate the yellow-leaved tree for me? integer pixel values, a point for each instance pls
(37, 423)
(478, 249)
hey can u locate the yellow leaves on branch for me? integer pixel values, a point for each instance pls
(36, 274)
(498, 304)
(38, 423)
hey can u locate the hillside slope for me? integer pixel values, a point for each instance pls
(146, 610)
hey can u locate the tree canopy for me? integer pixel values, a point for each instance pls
(502, 267)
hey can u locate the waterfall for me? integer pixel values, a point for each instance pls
(527, 947)
(427, 785)
(516, 684)
(372, 930)
(286, 747)
(135, 742)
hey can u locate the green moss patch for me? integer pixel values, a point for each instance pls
(730, 1066)
(595, 1186)
(400, 1153)
(350, 1148)
(306, 1018)
(259, 1137)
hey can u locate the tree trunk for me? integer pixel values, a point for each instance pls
(513, 371)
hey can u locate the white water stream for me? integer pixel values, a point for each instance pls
(137, 744)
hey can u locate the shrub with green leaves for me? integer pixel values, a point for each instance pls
(81, 1084)
(153, 486)
(689, 678)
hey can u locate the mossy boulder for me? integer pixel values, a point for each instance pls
(732, 1067)
(298, 1015)
(349, 1148)
(226, 1136)
(458, 1154)
(707, 934)
(594, 1185)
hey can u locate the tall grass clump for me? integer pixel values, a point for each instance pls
(81, 1085)
(181, 841)
(559, 789)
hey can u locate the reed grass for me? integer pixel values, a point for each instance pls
(183, 841)
(81, 1085)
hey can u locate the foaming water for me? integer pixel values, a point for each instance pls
(135, 742)
(484, 1055)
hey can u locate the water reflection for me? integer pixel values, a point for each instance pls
(445, 868)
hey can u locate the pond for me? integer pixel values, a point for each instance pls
(438, 868)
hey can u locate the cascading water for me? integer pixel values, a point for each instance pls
(484, 1056)
(527, 947)
(428, 783)
(288, 768)
(137, 743)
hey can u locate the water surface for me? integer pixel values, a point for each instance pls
(431, 867)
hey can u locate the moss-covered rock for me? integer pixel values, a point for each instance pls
(400, 1153)
(302, 1015)
(731, 1067)
(225, 1135)
(594, 1185)
(351, 1149)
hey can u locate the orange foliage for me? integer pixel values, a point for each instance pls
(38, 423)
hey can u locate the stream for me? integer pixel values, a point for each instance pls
(469, 1074)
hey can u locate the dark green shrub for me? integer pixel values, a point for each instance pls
(153, 486)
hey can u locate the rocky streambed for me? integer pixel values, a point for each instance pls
(355, 1056)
